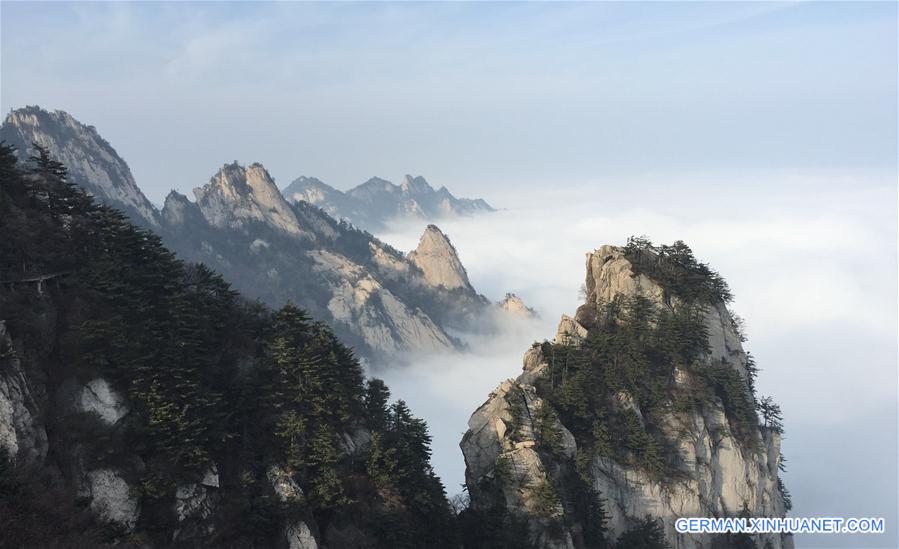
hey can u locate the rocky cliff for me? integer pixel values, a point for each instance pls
(640, 411)
(377, 201)
(438, 260)
(236, 196)
(92, 162)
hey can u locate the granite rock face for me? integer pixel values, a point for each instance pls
(438, 260)
(382, 320)
(236, 196)
(22, 434)
(112, 497)
(718, 474)
(99, 398)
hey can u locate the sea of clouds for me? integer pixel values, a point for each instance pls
(812, 262)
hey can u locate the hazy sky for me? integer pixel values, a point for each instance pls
(480, 97)
(764, 134)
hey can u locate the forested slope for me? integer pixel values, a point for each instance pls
(144, 403)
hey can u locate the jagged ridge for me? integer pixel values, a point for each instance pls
(373, 203)
(376, 298)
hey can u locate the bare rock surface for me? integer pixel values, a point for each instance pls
(98, 397)
(515, 306)
(236, 196)
(112, 498)
(438, 260)
(22, 434)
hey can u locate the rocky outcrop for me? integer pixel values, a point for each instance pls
(197, 500)
(99, 398)
(22, 434)
(92, 162)
(720, 472)
(112, 498)
(237, 196)
(382, 320)
(504, 447)
(611, 274)
(177, 210)
(283, 484)
(377, 201)
(299, 536)
(514, 305)
(438, 260)
(570, 332)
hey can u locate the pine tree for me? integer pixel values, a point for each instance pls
(646, 534)
(376, 397)
(772, 417)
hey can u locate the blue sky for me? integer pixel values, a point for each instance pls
(480, 97)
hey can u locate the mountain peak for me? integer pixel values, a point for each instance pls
(438, 260)
(91, 161)
(176, 207)
(720, 420)
(237, 195)
(310, 189)
(415, 185)
(515, 305)
(374, 203)
(372, 188)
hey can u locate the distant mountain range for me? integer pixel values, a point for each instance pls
(378, 299)
(372, 204)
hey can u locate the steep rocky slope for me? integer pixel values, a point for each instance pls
(642, 406)
(438, 261)
(236, 196)
(372, 204)
(143, 403)
(377, 299)
(91, 161)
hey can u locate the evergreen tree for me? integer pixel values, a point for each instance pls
(376, 397)
(647, 534)
(772, 417)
